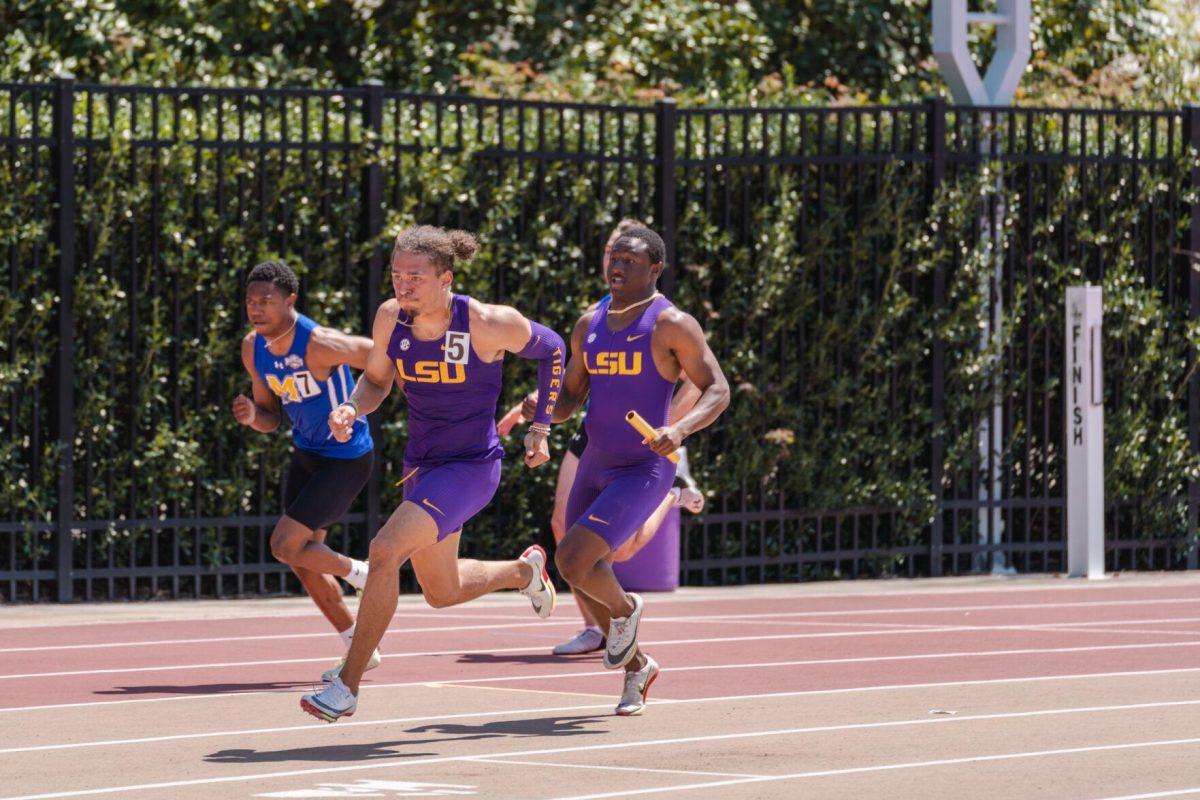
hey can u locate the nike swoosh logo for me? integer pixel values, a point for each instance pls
(406, 477)
(621, 655)
(431, 505)
(594, 518)
(634, 338)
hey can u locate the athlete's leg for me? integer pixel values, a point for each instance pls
(326, 592)
(599, 612)
(297, 545)
(452, 494)
(408, 530)
(644, 534)
(447, 580)
(598, 584)
(558, 523)
(318, 491)
(583, 560)
(562, 491)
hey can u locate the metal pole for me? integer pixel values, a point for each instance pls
(937, 449)
(990, 519)
(64, 358)
(666, 116)
(372, 227)
(1193, 486)
(1012, 22)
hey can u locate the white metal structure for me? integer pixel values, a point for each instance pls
(1084, 400)
(951, 21)
(951, 27)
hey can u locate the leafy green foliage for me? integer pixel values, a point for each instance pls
(748, 50)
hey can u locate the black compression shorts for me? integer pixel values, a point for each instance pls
(578, 442)
(318, 490)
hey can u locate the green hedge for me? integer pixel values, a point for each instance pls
(813, 280)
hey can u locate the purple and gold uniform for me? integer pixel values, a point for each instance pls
(452, 459)
(620, 480)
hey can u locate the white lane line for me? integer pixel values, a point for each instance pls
(930, 609)
(740, 620)
(886, 767)
(768, 594)
(688, 618)
(1171, 793)
(270, 637)
(541, 648)
(844, 690)
(822, 661)
(730, 618)
(606, 706)
(1123, 631)
(635, 744)
(891, 630)
(555, 764)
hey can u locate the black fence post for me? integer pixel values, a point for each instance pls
(372, 227)
(64, 358)
(666, 118)
(1192, 114)
(936, 135)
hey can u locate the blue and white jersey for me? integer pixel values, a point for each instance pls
(307, 400)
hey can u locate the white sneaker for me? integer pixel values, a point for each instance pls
(331, 703)
(336, 670)
(637, 687)
(588, 640)
(540, 590)
(622, 636)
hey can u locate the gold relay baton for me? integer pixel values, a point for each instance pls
(641, 426)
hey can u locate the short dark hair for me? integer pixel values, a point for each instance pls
(278, 274)
(656, 249)
(626, 224)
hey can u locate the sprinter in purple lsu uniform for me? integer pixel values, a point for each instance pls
(447, 351)
(629, 353)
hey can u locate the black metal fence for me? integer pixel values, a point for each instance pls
(323, 174)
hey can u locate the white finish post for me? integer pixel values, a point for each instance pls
(1085, 432)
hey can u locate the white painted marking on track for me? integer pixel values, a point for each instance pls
(691, 618)
(310, 728)
(843, 690)
(827, 661)
(929, 587)
(364, 787)
(884, 768)
(621, 746)
(896, 631)
(557, 765)
(329, 635)
(1170, 793)
(930, 609)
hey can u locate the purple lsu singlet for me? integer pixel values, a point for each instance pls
(624, 378)
(452, 394)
